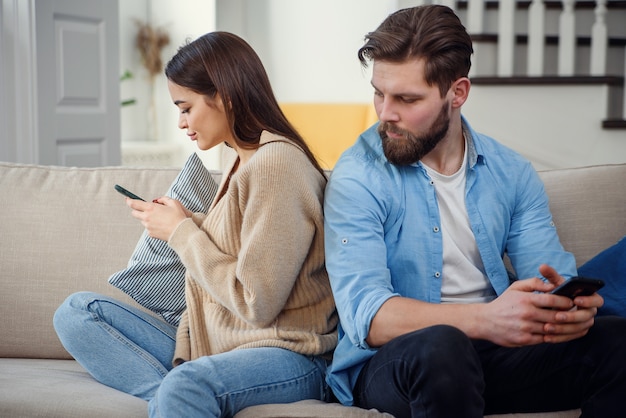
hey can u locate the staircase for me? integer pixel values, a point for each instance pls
(548, 77)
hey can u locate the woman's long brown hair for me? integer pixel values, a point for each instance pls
(223, 63)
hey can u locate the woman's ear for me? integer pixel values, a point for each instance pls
(228, 104)
(217, 100)
(460, 90)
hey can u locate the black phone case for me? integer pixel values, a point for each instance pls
(127, 193)
(578, 286)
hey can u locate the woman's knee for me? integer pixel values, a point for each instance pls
(76, 316)
(73, 304)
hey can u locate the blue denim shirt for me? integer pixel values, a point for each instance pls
(383, 237)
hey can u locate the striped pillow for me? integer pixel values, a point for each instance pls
(154, 276)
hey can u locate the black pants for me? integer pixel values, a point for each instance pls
(439, 372)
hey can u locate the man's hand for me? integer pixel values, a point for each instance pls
(160, 217)
(573, 323)
(525, 314)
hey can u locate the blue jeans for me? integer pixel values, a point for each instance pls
(120, 346)
(131, 351)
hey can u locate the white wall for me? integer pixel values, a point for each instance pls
(554, 127)
(314, 48)
(183, 20)
(309, 48)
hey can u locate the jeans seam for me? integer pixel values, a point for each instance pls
(273, 385)
(155, 364)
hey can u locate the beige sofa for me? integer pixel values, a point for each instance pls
(64, 229)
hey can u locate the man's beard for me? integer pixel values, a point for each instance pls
(411, 148)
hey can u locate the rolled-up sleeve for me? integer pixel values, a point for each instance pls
(356, 252)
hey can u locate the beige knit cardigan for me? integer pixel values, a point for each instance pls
(255, 263)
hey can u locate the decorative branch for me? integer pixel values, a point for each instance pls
(150, 41)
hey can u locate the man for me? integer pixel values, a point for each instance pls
(419, 214)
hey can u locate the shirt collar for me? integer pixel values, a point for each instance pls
(473, 152)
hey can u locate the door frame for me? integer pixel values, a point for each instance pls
(18, 110)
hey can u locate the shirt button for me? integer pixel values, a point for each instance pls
(436, 229)
(437, 274)
(344, 240)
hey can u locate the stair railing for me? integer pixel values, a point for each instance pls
(536, 32)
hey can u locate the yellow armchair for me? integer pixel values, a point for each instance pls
(330, 128)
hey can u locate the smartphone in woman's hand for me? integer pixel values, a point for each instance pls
(127, 193)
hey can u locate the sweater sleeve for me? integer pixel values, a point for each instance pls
(279, 197)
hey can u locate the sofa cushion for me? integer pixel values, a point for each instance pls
(60, 389)
(309, 409)
(62, 230)
(318, 409)
(155, 276)
(587, 204)
(63, 389)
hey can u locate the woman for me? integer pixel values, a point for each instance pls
(260, 321)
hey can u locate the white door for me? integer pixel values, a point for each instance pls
(78, 104)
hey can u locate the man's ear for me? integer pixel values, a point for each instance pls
(460, 90)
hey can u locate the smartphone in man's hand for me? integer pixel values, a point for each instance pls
(578, 286)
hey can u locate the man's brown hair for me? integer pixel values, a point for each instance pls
(431, 32)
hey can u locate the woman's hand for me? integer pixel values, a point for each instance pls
(160, 217)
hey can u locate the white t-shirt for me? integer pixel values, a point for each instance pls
(463, 275)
